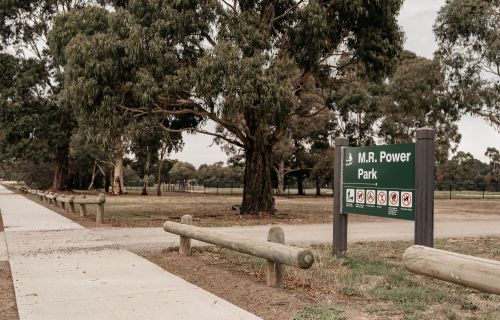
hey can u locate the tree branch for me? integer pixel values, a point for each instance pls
(287, 12)
(232, 141)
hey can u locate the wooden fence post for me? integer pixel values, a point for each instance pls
(185, 242)
(71, 204)
(424, 178)
(99, 218)
(83, 208)
(276, 270)
(339, 219)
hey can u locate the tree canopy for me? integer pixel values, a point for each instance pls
(468, 34)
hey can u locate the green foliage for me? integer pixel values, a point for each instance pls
(418, 97)
(182, 171)
(468, 36)
(463, 168)
(242, 67)
(30, 122)
(45, 123)
(211, 175)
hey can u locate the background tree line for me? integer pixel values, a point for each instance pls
(102, 89)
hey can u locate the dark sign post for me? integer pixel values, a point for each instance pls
(424, 219)
(393, 181)
(339, 219)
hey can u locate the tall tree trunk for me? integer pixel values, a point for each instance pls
(281, 177)
(300, 185)
(61, 163)
(146, 173)
(93, 176)
(318, 186)
(158, 180)
(108, 178)
(60, 176)
(258, 188)
(118, 153)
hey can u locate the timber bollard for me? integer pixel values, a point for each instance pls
(55, 200)
(83, 208)
(71, 204)
(273, 250)
(185, 242)
(276, 270)
(99, 218)
(473, 272)
(63, 204)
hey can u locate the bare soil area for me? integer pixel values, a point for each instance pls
(8, 307)
(247, 290)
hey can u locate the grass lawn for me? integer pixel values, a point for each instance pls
(210, 210)
(370, 283)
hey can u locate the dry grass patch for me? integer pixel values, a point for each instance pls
(215, 211)
(370, 283)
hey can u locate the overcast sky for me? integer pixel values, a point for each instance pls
(416, 19)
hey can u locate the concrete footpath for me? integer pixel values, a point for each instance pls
(304, 234)
(64, 271)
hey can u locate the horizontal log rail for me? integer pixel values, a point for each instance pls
(274, 250)
(60, 200)
(469, 271)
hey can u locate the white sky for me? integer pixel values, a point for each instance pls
(416, 19)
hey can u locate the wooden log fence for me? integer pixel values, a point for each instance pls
(68, 202)
(473, 272)
(274, 250)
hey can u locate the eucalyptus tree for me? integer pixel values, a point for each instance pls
(418, 96)
(259, 55)
(24, 25)
(115, 60)
(240, 64)
(468, 35)
(150, 144)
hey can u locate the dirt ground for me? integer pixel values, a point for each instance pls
(8, 308)
(244, 289)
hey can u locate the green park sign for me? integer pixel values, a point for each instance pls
(379, 181)
(394, 181)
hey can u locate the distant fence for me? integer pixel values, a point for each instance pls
(467, 191)
(309, 188)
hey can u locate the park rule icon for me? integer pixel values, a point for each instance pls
(381, 197)
(370, 197)
(394, 198)
(349, 195)
(360, 196)
(406, 199)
